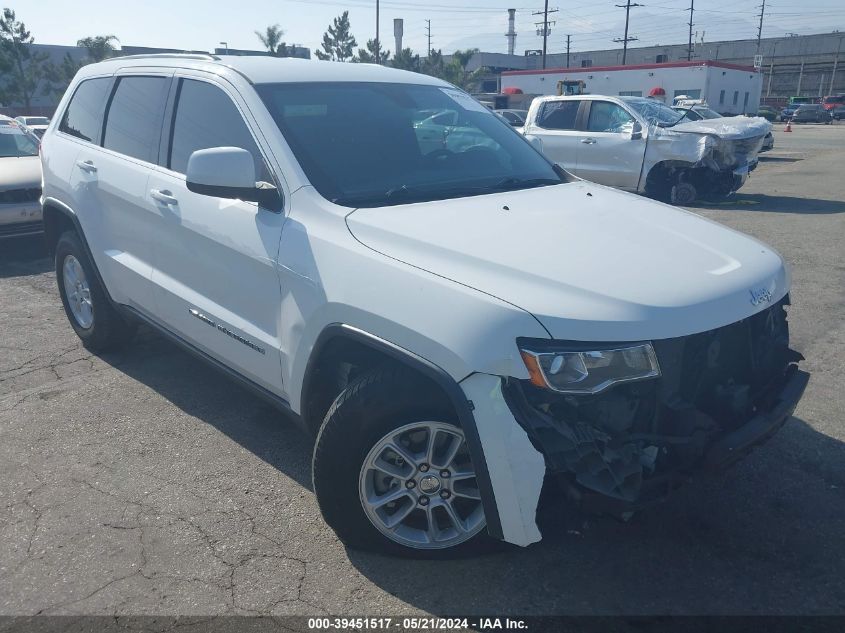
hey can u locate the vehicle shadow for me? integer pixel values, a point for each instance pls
(778, 204)
(208, 395)
(778, 159)
(22, 256)
(763, 537)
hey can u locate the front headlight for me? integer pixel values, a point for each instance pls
(587, 371)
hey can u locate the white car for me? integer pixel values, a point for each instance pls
(642, 145)
(35, 124)
(455, 324)
(20, 181)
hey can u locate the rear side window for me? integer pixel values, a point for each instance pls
(83, 117)
(206, 117)
(133, 121)
(559, 115)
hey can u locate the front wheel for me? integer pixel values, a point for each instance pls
(392, 471)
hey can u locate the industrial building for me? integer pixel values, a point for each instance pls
(805, 65)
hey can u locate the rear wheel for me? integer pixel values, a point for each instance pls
(392, 471)
(86, 304)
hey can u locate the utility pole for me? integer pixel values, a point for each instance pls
(378, 43)
(760, 28)
(627, 6)
(835, 64)
(689, 46)
(428, 32)
(545, 28)
(568, 38)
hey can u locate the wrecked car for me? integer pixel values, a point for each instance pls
(456, 325)
(644, 146)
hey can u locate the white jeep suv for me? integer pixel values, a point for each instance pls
(458, 321)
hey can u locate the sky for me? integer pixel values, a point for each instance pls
(592, 24)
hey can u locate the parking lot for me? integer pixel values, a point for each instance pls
(144, 482)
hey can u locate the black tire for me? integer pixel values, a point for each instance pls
(369, 408)
(108, 329)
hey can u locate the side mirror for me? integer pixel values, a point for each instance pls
(636, 131)
(535, 141)
(229, 172)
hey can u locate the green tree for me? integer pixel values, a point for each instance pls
(58, 76)
(22, 68)
(368, 55)
(272, 40)
(406, 59)
(98, 47)
(338, 43)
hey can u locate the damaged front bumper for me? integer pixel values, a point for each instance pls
(720, 393)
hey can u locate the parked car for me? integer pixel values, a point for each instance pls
(696, 113)
(831, 102)
(768, 112)
(644, 146)
(448, 322)
(838, 113)
(812, 113)
(20, 181)
(515, 117)
(36, 124)
(787, 113)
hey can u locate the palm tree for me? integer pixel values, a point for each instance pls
(99, 47)
(272, 40)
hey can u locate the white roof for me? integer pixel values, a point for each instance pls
(266, 69)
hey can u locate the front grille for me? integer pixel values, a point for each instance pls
(21, 229)
(18, 196)
(728, 373)
(711, 383)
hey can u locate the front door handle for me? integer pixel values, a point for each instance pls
(588, 141)
(87, 165)
(163, 196)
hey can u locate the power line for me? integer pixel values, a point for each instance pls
(627, 6)
(545, 13)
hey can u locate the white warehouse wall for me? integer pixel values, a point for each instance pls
(707, 78)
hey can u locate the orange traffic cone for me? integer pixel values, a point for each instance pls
(788, 127)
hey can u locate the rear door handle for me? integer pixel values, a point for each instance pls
(163, 196)
(87, 165)
(588, 141)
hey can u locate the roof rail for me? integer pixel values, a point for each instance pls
(169, 55)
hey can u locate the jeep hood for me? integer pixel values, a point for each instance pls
(589, 262)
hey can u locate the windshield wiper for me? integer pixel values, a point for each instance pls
(511, 183)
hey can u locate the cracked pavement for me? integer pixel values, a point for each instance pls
(143, 482)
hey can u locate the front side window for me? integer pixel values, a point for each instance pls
(558, 115)
(206, 117)
(368, 144)
(608, 117)
(133, 120)
(83, 117)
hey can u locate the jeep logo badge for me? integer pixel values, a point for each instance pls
(760, 296)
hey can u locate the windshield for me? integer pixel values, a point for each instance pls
(14, 143)
(365, 144)
(654, 112)
(707, 113)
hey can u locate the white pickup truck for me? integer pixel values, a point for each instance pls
(642, 145)
(457, 320)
